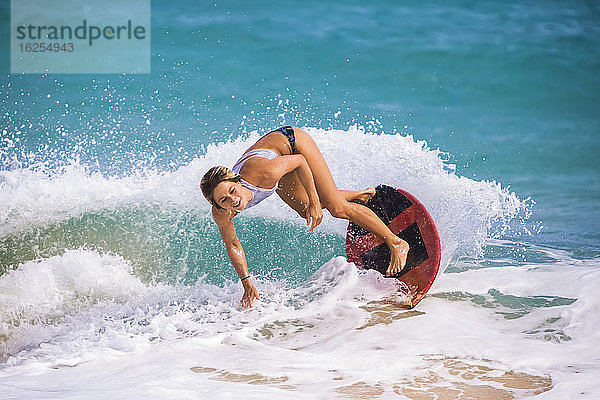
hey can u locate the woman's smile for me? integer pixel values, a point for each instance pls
(231, 195)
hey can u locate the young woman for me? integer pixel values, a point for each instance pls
(287, 161)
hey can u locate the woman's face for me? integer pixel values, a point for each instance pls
(229, 195)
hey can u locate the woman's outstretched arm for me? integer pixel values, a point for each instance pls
(236, 254)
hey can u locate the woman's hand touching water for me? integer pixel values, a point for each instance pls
(250, 294)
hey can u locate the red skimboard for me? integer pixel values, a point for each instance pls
(407, 218)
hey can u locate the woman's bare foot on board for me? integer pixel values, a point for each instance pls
(399, 250)
(363, 196)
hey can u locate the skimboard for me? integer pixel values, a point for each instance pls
(409, 220)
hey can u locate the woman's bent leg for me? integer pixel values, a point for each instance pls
(336, 203)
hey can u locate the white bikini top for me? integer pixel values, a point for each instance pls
(259, 194)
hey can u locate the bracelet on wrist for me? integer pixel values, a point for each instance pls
(244, 278)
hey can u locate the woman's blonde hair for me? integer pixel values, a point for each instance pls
(211, 180)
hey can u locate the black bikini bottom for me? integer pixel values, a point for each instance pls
(288, 132)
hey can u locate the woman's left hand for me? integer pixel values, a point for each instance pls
(314, 215)
(250, 294)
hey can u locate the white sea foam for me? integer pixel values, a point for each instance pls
(311, 338)
(39, 296)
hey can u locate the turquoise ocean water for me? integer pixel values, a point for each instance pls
(487, 111)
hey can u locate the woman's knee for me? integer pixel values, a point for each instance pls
(338, 209)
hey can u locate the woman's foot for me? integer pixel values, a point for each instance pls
(399, 250)
(362, 196)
